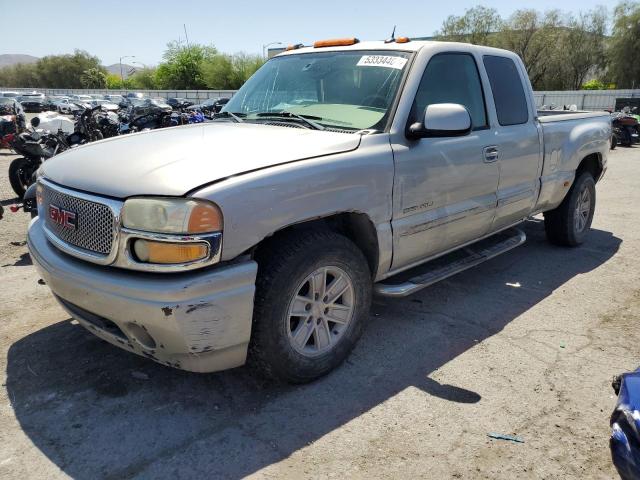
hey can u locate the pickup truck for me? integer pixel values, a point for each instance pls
(338, 171)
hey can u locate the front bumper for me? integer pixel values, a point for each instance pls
(198, 321)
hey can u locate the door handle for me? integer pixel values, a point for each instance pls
(490, 153)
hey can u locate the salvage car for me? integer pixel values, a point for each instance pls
(32, 103)
(337, 171)
(210, 106)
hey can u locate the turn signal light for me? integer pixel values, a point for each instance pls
(148, 251)
(336, 42)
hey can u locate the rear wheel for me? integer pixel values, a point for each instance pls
(569, 223)
(21, 173)
(312, 300)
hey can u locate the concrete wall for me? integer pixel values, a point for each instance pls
(583, 99)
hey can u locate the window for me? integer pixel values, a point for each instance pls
(452, 78)
(508, 94)
(339, 89)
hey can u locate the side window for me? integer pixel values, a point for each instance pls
(452, 78)
(506, 86)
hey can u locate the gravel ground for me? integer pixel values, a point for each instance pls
(525, 344)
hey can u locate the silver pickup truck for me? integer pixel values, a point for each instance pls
(338, 171)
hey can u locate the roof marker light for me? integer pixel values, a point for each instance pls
(336, 42)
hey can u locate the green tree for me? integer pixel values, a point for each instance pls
(583, 47)
(93, 78)
(533, 36)
(114, 82)
(65, 71)
(182, 68)
(477, 26)
(144, 79)
(624, 47)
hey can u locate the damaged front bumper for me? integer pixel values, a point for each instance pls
(198, 321)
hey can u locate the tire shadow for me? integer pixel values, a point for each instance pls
(99, 412)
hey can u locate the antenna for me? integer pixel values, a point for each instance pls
(393, 36)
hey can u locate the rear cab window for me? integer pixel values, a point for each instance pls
(507, 89)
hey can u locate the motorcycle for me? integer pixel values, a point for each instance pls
(87, 128)
(625, 129)
(35, 147)
(12, 121)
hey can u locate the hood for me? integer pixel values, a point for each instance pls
(173, 161)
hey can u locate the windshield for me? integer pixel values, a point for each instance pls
(346, 90)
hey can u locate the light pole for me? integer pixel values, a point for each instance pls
(267, 45)
(125, 56)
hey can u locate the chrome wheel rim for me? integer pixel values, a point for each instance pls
(583, 209)
(321, 310)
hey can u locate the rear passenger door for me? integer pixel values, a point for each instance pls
(517, 141)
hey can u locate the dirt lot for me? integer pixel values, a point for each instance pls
(525, 344)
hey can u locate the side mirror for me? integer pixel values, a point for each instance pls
(442, 120)
(35, 121)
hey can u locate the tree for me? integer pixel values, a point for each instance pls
(93, 78)
(182, 68)
(583, 46)
(534, 37)
(144, 79)
(624, 47)
(477, 26)
(65, 71)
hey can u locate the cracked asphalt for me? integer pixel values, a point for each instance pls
(524, 345)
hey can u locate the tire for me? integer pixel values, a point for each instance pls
(563, 225)
(614, 141)
(20, 175)
(299, 349)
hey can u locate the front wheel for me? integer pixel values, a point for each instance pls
(21, 173)
(313, 294)
(569, 223)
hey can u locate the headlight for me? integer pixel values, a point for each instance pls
(184, 216)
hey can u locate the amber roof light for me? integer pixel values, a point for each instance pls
(403, 40)
(336, 42)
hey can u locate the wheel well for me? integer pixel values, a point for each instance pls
(592, 164)
(357, 227)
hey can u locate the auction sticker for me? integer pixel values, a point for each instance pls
(387, 61)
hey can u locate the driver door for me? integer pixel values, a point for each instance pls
(445, 189)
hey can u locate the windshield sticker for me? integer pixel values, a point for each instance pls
(387, 61)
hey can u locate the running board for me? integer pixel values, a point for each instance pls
(450, 264)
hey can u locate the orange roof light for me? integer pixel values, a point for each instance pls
(294, 47)
(336, 42)
(403, 40)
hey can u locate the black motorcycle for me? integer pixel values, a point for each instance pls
(87, 127)
(35, 147)
(625, 130)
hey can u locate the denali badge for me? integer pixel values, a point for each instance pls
(62, 217)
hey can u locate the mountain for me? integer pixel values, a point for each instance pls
(7, 59)
(126, 69)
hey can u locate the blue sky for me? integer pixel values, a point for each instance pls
(114, 28)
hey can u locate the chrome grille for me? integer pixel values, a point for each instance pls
(94, 222)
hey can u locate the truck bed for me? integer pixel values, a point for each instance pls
(546, 116)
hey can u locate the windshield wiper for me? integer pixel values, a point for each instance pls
(307, 119)
(234, 116)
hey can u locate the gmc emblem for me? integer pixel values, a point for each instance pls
(62, 217)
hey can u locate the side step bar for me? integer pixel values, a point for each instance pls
(446, 266)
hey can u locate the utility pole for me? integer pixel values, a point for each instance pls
(125, 56)
(265, 46)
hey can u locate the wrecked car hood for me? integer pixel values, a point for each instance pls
(174, 161)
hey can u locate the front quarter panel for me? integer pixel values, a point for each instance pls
(258, 204)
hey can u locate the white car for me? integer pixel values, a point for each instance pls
(66, 105)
